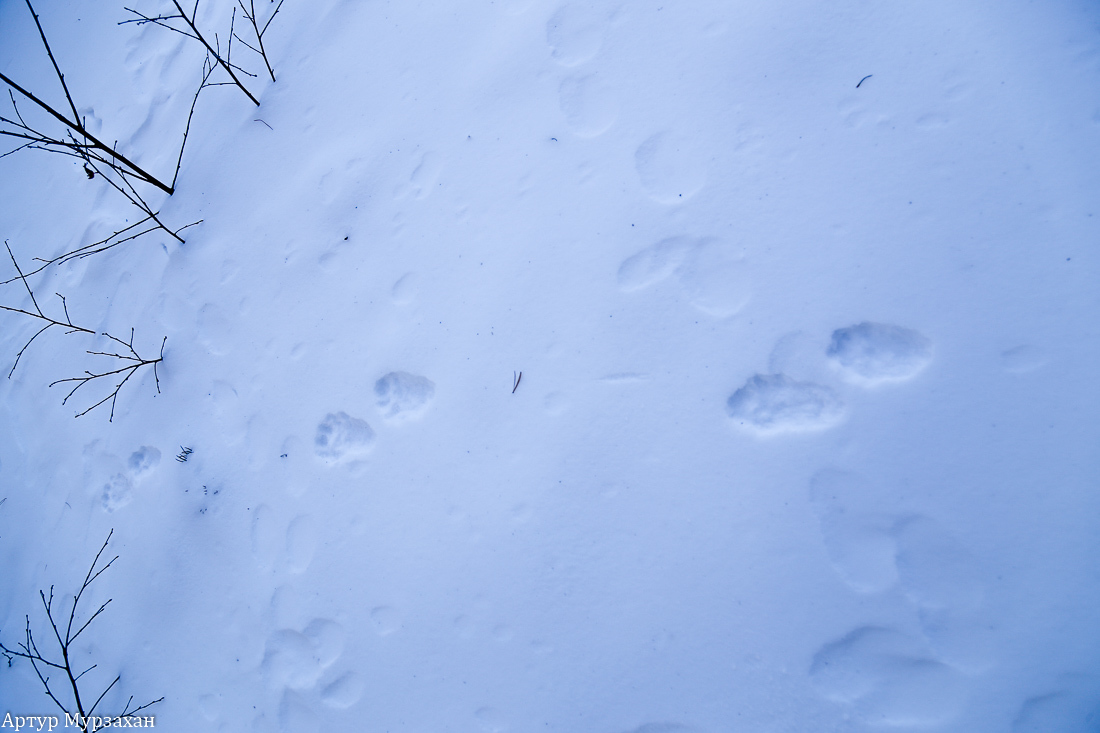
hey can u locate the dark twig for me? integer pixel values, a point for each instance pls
(29, 650)
(864, 79)
(190, 29)
(250, 15)
(93, 142)
(96, 157)
(56, 68)
(131, 362)
(515, 381)
(207, 70)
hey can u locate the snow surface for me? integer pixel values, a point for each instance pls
(806, 437)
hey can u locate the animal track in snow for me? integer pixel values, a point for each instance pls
(654, 263)
(343, 692)
(111, 481)
(887, 678)
(770, 404)
(143, 460)
(117, 492)
(295, 715)
(935, 569)
(872, 549)
(341, 437)
(714, 280)
(290, 660)
(588, 105)
(670, 167)
(710, 275)
(574, 34)
(875, 353)
(799, 355)
(295, 660)
(857, 538)
(400, 394)
(301, 542)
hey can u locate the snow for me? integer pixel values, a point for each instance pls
(806, 436)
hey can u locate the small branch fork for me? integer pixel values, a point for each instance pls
(96, 157)
(129, 359)
(258, 32)
(187, 25)
(28, 648)
(91, 146)
(93, 165)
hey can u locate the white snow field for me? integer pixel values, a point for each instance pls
(807, 433)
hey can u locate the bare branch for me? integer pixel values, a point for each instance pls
(217, 57)
(83, 132)
(56, 68)
(131, 363)
(28, 649)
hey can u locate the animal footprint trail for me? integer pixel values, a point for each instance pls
(301, 542)
(935, 569)
(111, 481)
(858, 539)
(298, 662)
(402, 395)
(574, 34)
(143, 460)
(341, 437)
(291, 660)
(876, 353)
(670, 167)
(117, 492)
(711, 277)
(343, 692)
(772, 404)
(296, 716)
(873, 548)
(588, 105)
(887, 678)
(654, 264)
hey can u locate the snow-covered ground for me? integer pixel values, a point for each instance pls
(807, 432)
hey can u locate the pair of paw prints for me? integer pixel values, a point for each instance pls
(708, 274)
(301, 665)
(884, 675)
(865, 354)
(112, 480)
(398, 396)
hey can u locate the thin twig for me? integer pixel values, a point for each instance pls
(29, 650)
(95, 142)
(131, 362)
(217, 57)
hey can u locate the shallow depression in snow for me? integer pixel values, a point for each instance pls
(772, 404)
